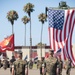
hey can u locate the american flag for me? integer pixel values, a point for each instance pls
(58, 52)
(61, 24)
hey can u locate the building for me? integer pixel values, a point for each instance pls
(26, 51)
(36, 51)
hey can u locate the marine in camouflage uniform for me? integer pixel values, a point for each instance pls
(38, 64)
(52, 64)
(68, 66)
(60, 65)
(30, 64)
(5, 63)
(41, 65)
(11, 62)
(18, 67)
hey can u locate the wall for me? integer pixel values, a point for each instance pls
(26, 51)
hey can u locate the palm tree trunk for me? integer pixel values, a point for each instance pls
(12, 33)
(25, 36)
(30, 39)
(12, 29)
(41, 38)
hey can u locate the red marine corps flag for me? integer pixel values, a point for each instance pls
(61, 25)
(7, 44)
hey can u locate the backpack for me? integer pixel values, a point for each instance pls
(19, 67)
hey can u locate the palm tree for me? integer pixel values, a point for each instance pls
(28, 8)
(25, 20)
(11, 16)
(42, 18)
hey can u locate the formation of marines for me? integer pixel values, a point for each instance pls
(49, 66)
(53, 65)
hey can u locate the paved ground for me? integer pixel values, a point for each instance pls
(31, 72)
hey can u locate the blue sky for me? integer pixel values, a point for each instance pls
(17, 5)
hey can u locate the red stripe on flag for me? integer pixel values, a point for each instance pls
(65, 31)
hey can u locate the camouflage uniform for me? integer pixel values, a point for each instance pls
(11, 62)
(60, 67)
(43, 67)
(40, 67)
(68, 66)
(5, 63)
(38, 64)
(18, 67)
(19, 70)
(51, 65)
(30, 64)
